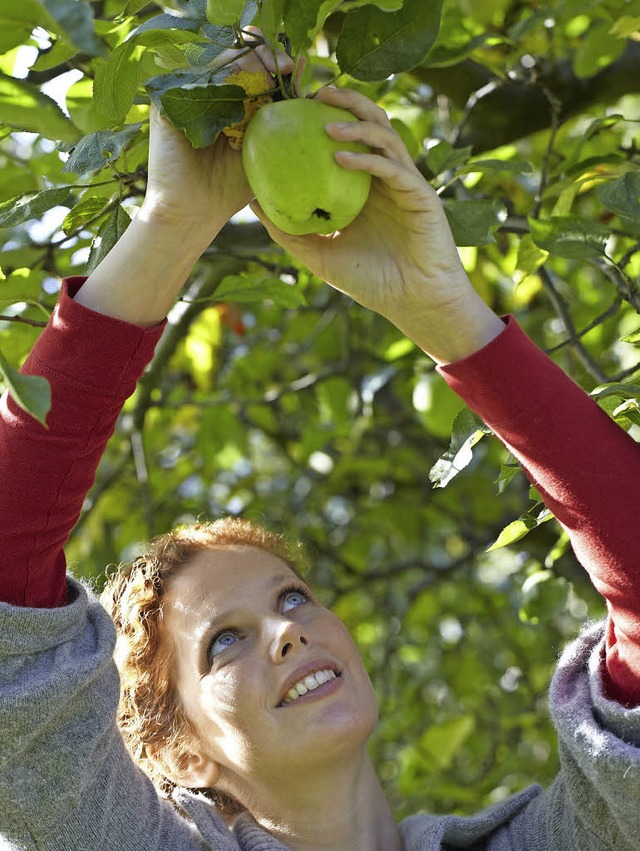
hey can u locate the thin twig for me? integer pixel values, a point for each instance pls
(36, 323)
(626, 259)
(562, 310)
(556, 107)
(607, 314)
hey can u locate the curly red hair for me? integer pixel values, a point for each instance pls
(150, 715)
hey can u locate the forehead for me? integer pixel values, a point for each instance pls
(218, 579)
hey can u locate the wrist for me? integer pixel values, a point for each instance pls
(191, 233)
(452, 331)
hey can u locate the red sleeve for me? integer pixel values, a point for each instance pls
(585, 466)
(92, 363)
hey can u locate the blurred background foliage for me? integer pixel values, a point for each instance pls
(276, 398)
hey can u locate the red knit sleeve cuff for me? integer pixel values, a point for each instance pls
(80, 336)
(506, 378)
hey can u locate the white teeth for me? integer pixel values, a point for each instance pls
(310, 682)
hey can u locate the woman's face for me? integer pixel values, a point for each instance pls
(249, 640)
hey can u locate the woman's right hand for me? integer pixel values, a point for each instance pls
(187, 184)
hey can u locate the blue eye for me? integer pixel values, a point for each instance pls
(222, 641)
(292, 599)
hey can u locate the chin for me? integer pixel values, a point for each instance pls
(343, 727)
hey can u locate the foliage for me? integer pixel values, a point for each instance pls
(275, 397)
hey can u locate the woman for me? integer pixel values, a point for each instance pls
(221, 707)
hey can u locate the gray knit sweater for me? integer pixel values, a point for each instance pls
(68, 784)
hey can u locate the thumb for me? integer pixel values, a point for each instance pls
(286, 240)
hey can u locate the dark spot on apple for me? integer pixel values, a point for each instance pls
(322, 214)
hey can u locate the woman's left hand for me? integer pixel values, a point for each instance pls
(398, 257)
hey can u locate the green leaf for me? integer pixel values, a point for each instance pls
(31, 392)
(248, 288)
(628, 410)
(634, 338)
(202, 53)
(109, 233)
(530, 257)
(468, 430)
(444, 157)
(94, 151)
(622, 196)
(84, 211)
(23, 16)
(303, 21)
(544, 596)
(508, 471)
(133, 7)
(374, 44)
(225, 35)
(514, 531)
(570, 236)
(165, 22)
(116, 81)
(18, 210)
(624, 391)
(497, 166)
(201, 112)
(474, 222)
(443, 741)
(22, 285)
(225, 13)
(597, 50)
(626, 26)
(24, 107)
(269, 19)
(75, 18)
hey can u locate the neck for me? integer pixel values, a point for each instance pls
(342, 810)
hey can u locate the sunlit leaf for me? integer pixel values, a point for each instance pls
(94, 151)
(374, 44)
(570, 236)
(31, 392)
(15, 211)
(25, 107)
(622, 196)
(474, 222)
(467, 431)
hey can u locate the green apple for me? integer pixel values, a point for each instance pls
(289, 161)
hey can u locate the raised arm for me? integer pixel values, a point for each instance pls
(100, 337)
(398, 258)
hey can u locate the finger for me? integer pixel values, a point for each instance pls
(384, 138)
(288, 241)
(394, 174)
(284, 61)
(360, 105)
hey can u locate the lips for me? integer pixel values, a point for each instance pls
(306, 670)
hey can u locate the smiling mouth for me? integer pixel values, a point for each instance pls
(309, 683)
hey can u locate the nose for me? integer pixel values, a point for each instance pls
(288, 639)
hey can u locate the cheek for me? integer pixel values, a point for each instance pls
(227, 717)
